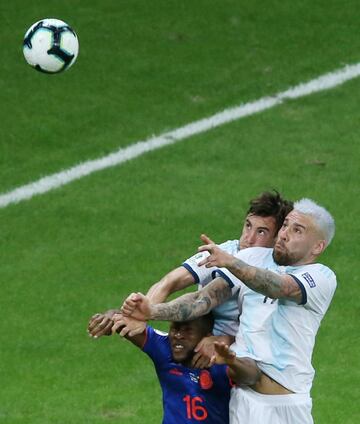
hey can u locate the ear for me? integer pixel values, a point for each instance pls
(319, 247)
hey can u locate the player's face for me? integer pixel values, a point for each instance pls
(258, 231)
(299, 241)
(184, 336)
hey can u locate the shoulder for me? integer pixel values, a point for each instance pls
(155, 336)
(156, 344)
(315, 274)
(323, 270)
(317, 283)
(256, 256)
(230, 246)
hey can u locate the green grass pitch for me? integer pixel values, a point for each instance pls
(145, 68)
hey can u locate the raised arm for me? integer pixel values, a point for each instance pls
(100, 324)
(124, 326)
(112, 322)
(184, 308)
(175, 280)
(266, 282)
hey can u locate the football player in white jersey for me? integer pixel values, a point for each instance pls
(264, 217)
(284, 295)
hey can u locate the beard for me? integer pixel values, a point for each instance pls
(283, 257)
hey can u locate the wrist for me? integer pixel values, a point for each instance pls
(232, 264)
(230, 362)
(152, 311)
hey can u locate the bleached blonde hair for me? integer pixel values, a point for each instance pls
(322, 218)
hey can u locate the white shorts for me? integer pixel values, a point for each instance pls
(250, 407)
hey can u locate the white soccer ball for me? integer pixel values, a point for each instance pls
(50, 46)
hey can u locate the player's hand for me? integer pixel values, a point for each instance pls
(205, 352)
(100, 324)
(127, 326)
(137, 306)
(129, 305)
(217, 256)
(223, 354)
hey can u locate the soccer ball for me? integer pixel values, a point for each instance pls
(50, 46)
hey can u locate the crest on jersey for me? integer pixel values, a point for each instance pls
(193, 377)
(206, 381)
(308, 278)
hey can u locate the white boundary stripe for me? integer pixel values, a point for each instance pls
(133, 151)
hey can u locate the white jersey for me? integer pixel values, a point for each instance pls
(226, 315)
(282, 336)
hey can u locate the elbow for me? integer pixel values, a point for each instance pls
(202, 304)
(250, 373)
(254, 377)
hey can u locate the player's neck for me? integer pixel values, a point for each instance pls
(186, 363)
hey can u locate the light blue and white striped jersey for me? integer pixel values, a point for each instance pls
(226, 315)
(280, 334)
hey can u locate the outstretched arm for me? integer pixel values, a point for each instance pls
(100, 324)
(260, 280)
(241, 370)
(109, 322)
(184, 308)
(125, 326)
(175, 280)
(267, 282)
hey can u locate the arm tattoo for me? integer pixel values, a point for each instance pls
(193, 305)
(268, 283)
(264, 281)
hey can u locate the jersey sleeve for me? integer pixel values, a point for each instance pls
(317, 284)
(201, 274)
(157, 346)
(234, 283)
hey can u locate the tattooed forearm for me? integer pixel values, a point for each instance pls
(193, 305)
(266, 282)
(184, 308)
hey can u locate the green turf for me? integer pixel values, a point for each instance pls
(144, 68)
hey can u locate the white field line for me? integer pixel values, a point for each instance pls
(133, 151)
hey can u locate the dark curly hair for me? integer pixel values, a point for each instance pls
(270, 203)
